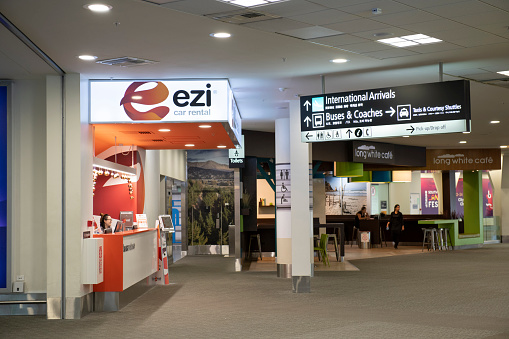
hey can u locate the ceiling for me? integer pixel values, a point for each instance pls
(279, 53)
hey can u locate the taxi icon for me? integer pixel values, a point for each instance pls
(403, 113)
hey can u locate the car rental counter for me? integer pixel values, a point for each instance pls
(129, 258)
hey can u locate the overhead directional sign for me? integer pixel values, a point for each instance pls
(426, 109)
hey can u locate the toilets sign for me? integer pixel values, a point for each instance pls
(426, 109)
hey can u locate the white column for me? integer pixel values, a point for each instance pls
(302, 210)
(504, 198)
(283, 213)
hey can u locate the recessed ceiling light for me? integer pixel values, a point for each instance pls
(503, 146)
(221, 35)
(221, 146)
(98, 7)
(494, 122)
(506, 73)
(463, 142)
(466, 132)
(251, 3)
(164, 130)
(339, 61)
(87, 57)
(136, 97)
(410, 40)
(189, 145)
(205, 126)
(406, 136)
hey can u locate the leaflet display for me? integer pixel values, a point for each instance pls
(426, 109)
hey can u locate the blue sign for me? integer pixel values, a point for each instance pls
(3, 187)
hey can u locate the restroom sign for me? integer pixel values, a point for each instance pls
(426, 109)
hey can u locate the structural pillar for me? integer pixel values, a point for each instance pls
(283, 200)
(472, 194)
(301, 205)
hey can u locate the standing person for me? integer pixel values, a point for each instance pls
(396, 222)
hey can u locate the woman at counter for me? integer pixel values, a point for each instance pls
(105, 222)
(396, 223)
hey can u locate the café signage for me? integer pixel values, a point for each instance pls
(369, 152)
(426, 109)
(463, 159)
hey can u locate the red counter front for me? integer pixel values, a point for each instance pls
(128, 258)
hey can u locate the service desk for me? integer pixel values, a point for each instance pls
(129, 257)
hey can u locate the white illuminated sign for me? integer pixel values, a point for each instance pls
(160, 101)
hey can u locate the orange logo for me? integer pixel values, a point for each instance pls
(152, 96)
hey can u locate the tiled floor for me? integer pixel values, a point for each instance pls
(351, 253)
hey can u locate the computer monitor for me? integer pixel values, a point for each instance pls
(119, 227)
(108, 231)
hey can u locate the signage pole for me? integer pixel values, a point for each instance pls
(441, 71)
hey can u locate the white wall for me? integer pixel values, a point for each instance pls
(399, 193)
(319, 199)
(174, 164)
(28, 230)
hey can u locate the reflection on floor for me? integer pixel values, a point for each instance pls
(351, 253)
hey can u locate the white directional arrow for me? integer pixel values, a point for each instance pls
(307, 121)
(392, 111)
(307, 104)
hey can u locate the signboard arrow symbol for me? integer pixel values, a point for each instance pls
(392, 111)
(411, 129)
(307, 121)
(307, 135)
(349, 132)
(307, 104)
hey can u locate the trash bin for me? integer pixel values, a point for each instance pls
(365, 237)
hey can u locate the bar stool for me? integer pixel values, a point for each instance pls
(336, 247)
(257, 237)
(430, 238)
(444, 238)
(355, 233)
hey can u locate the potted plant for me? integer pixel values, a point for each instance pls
(245, 203)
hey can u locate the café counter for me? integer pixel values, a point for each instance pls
(129, 257)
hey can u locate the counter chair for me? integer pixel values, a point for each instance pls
(430, 238)
(444, 238)
(355, 234)
(322, 249)
(251, 238)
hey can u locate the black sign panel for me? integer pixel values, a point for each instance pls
(442, 107)
(369, 152)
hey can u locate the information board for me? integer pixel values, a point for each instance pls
(426, 109)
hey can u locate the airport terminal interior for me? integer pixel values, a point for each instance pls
(254, 168)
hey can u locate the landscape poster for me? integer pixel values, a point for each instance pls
(344, 198)
(210, 197)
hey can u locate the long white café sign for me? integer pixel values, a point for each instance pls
(163, 101)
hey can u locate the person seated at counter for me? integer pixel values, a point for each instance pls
(361, 215)
(105, 223)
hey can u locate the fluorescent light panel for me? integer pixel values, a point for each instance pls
(251, 3)
(410, 40)
(506, 73)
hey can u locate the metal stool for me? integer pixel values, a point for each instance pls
(257, 237)
(355, 233)
(444, 238)
(430, 238)
(336, 247)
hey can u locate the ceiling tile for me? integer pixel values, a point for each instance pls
(310, 32)
(502, 4)
(200, 7)
(483, 76)
(487, 18)
(465, 72)
(459, 34)
(339, 40)
(429, 3)
(387, 6)
(459, 10)
(391, 33)
(291, 8)
(393, 53)
(433, 26)
(360, 25)
(338, 3)
(405, 18)
(277, 25)
(497, 29)
(434, 48)
(367, 47)
(486, 39)
(329, 16)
